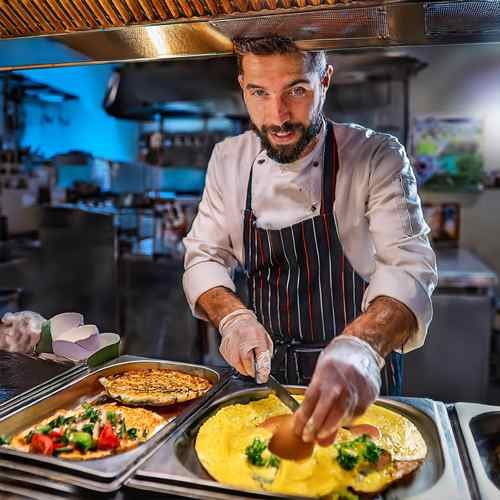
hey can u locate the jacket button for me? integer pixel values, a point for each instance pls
(313, 208)
(316, 164)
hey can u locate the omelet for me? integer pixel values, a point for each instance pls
(232, 447)
(155, 387)
(89, 432)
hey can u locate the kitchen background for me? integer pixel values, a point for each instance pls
(102, 167)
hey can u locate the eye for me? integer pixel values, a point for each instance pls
(259, 93)
(297, 91)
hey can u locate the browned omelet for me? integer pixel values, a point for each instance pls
(155, 387)
(127, 428)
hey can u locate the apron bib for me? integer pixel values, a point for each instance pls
(302, 287)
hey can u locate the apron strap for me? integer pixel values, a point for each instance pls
(248, 204)
(330, 163)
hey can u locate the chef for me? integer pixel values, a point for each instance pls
(326, 222)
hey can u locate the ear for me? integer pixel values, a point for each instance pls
(327, 78)
(240, 81)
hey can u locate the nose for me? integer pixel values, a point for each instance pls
(278, 112)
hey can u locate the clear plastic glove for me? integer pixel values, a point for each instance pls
(345, 382)
(20, 331)
(244, 340)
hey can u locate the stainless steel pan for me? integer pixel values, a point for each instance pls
(106, 474)
(174, 468)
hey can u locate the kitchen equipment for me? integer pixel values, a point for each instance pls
(174, 468)
(106, 474)
(480, 426)
(131, 31)
(282, 393)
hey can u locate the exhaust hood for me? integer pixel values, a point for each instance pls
(46, 33)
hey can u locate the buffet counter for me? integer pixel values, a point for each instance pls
(455, 437)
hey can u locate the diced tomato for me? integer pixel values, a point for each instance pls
(40, 443)
(107, 440)
(55, 435)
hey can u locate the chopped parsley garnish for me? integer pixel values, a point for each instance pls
(347, 458)
(350, 453)
(69, 420)
(132, 433)
(254, 454)
(4, 440)
(372, 452)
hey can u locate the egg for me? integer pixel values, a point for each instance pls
(286, 444)
(239, 447)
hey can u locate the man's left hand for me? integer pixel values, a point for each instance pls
(345, 382)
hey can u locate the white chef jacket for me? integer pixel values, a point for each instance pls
(377, 210)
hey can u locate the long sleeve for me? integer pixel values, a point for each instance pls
(209, 255)
(405, 265)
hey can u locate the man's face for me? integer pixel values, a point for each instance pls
(284, 100)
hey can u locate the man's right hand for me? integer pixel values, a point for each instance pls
(243, 337)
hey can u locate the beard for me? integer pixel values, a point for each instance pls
(289, 153)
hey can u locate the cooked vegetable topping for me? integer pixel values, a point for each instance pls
(29, 436)
(132, 433)
(55, 435)
(57, 422)
(91, 413)
(254, 454)
(88, 428)
(107, 439)
(350, 453)
(44, 429)
(82, 440)
(4, 439)
(42, 444)
(111, 416)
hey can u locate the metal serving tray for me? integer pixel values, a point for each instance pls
(105, 474)
(480, 425)
(174, 468)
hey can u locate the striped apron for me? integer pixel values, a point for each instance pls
(302, 287)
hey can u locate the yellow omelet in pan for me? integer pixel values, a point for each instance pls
(232, 446)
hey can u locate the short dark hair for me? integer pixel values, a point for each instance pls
(274, 44)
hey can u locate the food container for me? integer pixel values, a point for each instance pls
(480, 427)
(105, 474)
(174, 468)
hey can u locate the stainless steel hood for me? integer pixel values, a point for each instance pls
(44, 33)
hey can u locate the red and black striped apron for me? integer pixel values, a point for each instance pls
(302, 287)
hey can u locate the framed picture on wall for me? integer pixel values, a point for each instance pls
(447, 153)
